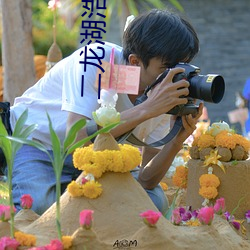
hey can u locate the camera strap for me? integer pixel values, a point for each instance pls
(131, 138)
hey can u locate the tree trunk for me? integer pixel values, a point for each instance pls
(17, 47)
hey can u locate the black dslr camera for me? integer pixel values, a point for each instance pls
(209, 88)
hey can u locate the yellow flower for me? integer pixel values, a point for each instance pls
(131, 157)
(195, 141)
(98, 162)
(67, 242)
(27, 240)
(209, 180)
(83, 156)
(180, 177)
(193, 223)
(213, 158)
(94, 169)
(164, 186)
(206, 141)
(92, 189)
(75, 189)
(208, 192)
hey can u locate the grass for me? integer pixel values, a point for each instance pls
(4, 193)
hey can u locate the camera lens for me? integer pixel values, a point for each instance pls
(209, 88)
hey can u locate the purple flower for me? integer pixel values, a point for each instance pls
(236, 224)
(195, 214)
(228, 216)
(248, 216)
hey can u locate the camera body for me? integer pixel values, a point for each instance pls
(209, 88)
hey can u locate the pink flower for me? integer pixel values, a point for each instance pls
(53, 4)
(206, 215)
(176, 217)
(26, 201)
(8, 243)
(39, 248)
(55, 245)
(5, 212)
(86, 218)
(150, 217)
(84, 180)
(219, 206)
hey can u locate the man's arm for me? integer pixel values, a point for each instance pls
(163, 98)
(152, 172)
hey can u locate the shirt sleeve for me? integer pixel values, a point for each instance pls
(246, 90)
(79, 94)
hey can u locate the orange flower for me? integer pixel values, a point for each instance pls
(25, 239)
(243, 141)
(206, 141)
(208, 192)
(67, 242)
(209, 180)
(180, 177)
(226, 140)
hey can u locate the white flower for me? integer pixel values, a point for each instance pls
(107, 113)
(217, 127)
(128, 21)
(105, 116)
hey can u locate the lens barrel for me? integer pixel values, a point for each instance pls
(209, 88)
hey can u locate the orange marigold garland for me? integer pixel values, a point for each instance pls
(220, 136)
(206, 141)
(180, 177)
(208, 186)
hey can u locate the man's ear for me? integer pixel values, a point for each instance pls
(134, 60)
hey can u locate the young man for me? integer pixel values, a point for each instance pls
(154, 41)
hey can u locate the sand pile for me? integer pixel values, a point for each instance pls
(117, 224)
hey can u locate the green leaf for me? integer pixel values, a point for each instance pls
(20, 123)
(71, 136)
(155, 3)
(35, 144)
(56, 147)
(5, 144)
(132, 7)
(172, 207)
(85, 140)
(238, 205)
(177, 5)
(23, 134)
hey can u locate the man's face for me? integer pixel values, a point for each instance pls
(149, 75)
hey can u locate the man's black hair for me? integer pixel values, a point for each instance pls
(161, 34)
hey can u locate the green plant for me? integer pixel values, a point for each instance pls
(42, 19)
(60, 152)
(4, 193)
(9, 149)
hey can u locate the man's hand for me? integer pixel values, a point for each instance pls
(167, 94)
(188, 125)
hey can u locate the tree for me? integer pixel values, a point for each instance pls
(17, 47)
